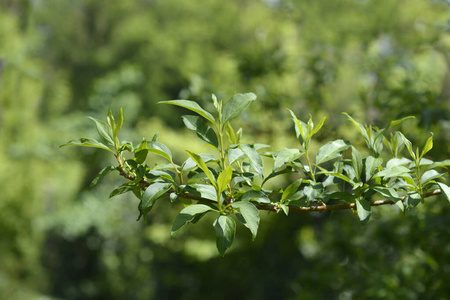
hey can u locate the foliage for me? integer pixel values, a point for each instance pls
(231, 183)
(61, 60)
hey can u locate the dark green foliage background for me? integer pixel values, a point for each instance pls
(62, 60)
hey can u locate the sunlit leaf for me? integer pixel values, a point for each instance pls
(160, 149)
(104, 131)
(428, 146)
(331, 150)
(255, 159)
(364, 210)
(193, 106)
(225, 231)
(187, 215)
(290, 190)
(153, 192)
(202, 165)
(88, 143)
(284, 156)
(250, 215)
(445, 190)
(236, 105)
(224, 178)
(372, 164)
(203, 131)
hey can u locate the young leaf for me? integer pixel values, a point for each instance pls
(201, 164)
(153, 192)
(318, 126)
(364, 210)
(104, 131)
(300, 130)
(428, 146)
(250, 216)
(193, 106)
(187, 215)
(121, 190)
(360, 127)
(286, 155)
(231, 134)
(203, 131)
(224, 178)
(255, 159)
(331, 150)
(290, 190)
(225, 231)
(119, 122)
(357, 164)
(236, 105)
(87, 143)
(102, 174)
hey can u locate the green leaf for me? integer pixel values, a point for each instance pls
(160, 149)
(201, 164)
(121, 190)
(360, 127)
(187, 215)
(364, 210)
(224, 178)
(372, 164)
(430, 175)
(428, 146)
(300, 130)
(331, 150)
(357, 163)
(119, 121)
(236, 105)
(413, 199)
(102, 174)
(390, 194)
(408, 145)
(438, 164)
(140, 156)
(153, 192)
(225, 231)
(203, 131)
(235, 155)
(255, 159)
(87, 143)
(202, 190)
(104, 131)
(257, 196)
(395, 171)
(193, 106)
(286, 155)
(250, 215)
(318, 126)
(230, 133)
(290, 190)
(395, 122)
(445, 190)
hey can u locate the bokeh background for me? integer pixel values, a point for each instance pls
(62, 60)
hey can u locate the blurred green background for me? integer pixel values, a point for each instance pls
(63, 60)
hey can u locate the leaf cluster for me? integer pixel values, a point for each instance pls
(231, 183)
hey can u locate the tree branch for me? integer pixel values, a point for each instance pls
(275, 208)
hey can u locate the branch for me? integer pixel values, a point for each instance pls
(276, 208)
